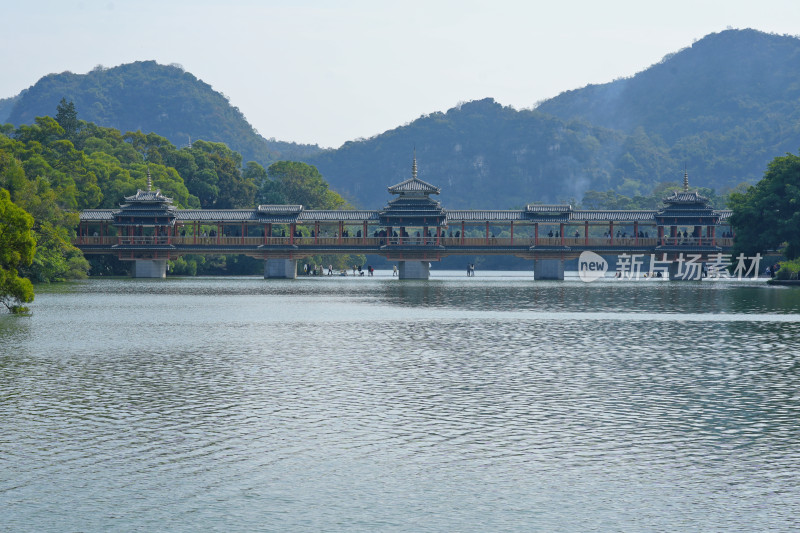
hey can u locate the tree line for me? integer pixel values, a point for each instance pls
(57, 166)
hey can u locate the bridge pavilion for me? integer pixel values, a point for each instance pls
(413, 230)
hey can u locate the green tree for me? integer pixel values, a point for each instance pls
(767, 215)
(67, 118)
(17, 247)
(302, 184)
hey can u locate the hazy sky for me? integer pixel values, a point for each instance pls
(327, 72)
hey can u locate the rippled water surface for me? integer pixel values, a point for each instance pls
(457, 404)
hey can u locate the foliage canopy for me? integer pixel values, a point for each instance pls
(17, 247)
(767, 215)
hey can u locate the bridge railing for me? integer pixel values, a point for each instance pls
(88, 239)
(523, 240)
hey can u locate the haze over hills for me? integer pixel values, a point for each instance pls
(723, 108)
(724, 105)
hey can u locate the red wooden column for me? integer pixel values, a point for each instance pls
(636, 232)
(487, 233)
(660, 235)
(341, 230)
(561, 231)
(194, 233)
(291, 233)
(438, 234)
(364, 233)
(462, 233)
(265, 234)
(242, 232)
(611, 231)
(673, 232)
(512, 233)
(713, 235)
(586, 233)
(219, 231)
(536, 234)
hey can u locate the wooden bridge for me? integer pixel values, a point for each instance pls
(413, 229)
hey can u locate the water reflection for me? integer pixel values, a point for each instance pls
(450, 405)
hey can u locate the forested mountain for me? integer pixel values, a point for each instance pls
(725, 106)
(150, 97)
(6, 104)
(481, 154)
(722, 109)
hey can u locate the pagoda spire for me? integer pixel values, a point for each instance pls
(414, 165)
(149, 180)
(685, 180)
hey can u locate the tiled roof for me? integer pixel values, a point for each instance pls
(475, 215)
(333, 215)
(687, 213)
(685, 197)
(148, 196)
(280, 209)
(414, 185)
(218, 215)
(622, 216)
(137, 223)
(145, 213)
(551, 208)
(99, 215)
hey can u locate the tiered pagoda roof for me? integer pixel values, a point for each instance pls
(414, 185)
(413, 205)
(687, 207)
(146, 208)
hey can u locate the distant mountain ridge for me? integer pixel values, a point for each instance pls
(722, 108)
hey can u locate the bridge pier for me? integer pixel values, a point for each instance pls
(149, 268)
(548, 269)
(414, 269)
(280, 268)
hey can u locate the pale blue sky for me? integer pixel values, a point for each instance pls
(327, 72)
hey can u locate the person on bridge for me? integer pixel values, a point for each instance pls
(330, 270)
(394, 270)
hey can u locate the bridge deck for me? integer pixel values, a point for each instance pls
(298, 247)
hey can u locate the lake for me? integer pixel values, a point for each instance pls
(493, 403)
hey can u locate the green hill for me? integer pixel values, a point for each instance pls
(481, 154)
(150, 97)
(722, 108)
(725, 106)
